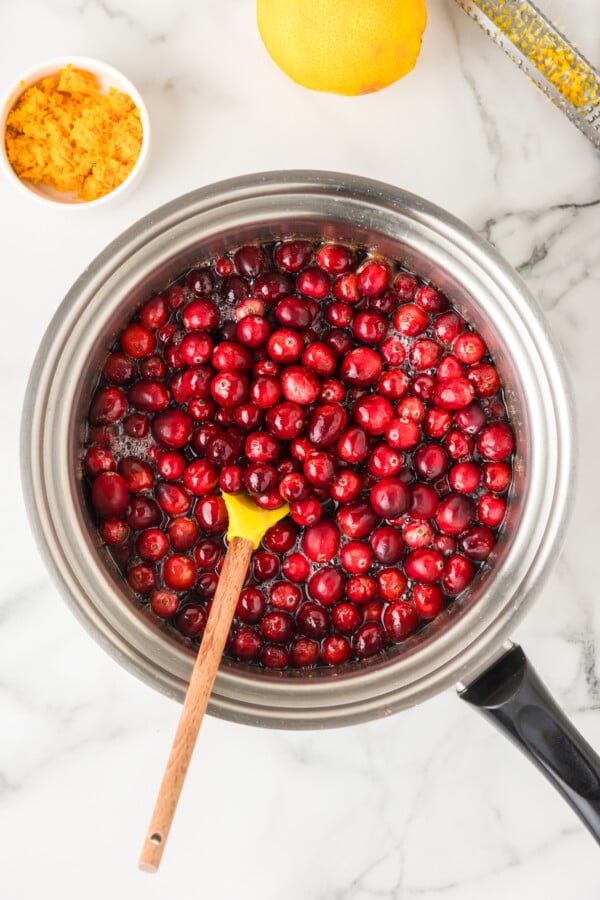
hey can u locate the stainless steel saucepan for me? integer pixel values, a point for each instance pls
(468, 644)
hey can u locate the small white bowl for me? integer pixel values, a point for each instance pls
(107, 77)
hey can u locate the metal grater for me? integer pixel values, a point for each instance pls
(546, 56)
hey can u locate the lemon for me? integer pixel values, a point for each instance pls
(343, 46)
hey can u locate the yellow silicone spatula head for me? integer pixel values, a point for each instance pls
(248, 524)
(247, 520)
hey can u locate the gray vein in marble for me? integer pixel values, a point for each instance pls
(114, 14)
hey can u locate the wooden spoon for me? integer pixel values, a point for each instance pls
(247, 526)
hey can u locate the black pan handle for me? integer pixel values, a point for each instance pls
(512, 696)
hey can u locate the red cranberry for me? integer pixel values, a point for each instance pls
(285, 596)
(207, 554)
(274, 657)
(448, 326)
(402, 434)
(319, 358)
(339, 341)
(469, 348)
(417, 534)
(455, 513)
(424, 354)
(471, 418)
(496, 476)
(458, 445)
(390, 497)
(259, 478)
(484, 380)
(430, 462)
(252, 331)
(138, 474)
(321, 542)
(143, 513)
(368, 640)
(284, 345)
(250, 306)
(361, 589)
(357, 519)
(211, 514)
(424, 565)
(164, 603)
(152, 545)
(272, 287)
(231, 480)
(326, 586)
(136, 425)
(113, 531)
(110, 495)
(223, 266)
(346, 486)
(458, 574)
(294, 487)
(306, 512)
(387, 545)
(179, 572)
(455, 393)
(175, 296)
(119, 368)
(335, 258)
(393, 384)
(478, 543)
(246, 644)
(410, 320)
(281, 537)
(97, 460)
(496, 442)
(142, 578)
(293, 312)
(172, 428)
(222, 449)
(319, 470)
(491, 510)
(251, 606)
(369, 327)
(346, 617)
(295, 567)
(400, 620)
(313, 282)
(200, 477)
(356, 557)
(303, 653)
(285, 420)
(248, 415)
(249, 260)
(299, 385)
(428, 600)
(313, 620)
(424, 501)
(373, 279)
(278, 627)
(339, 314)
(346, 288)
(373, 413)
(353, 445)
(229, 389)
(335, 650)
(261, 447)
(183, 533)
(137, 340)
(361, 367)
(107, 407)
(293, 255)
(200, 281)
(200, 315)
(410, 409)
(191, 619)
(464, 477)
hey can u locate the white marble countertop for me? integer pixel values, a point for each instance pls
(431, 803)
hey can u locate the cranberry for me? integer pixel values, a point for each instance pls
(142, 578)
(346, 288)
(357, 519)
(464, 477)
(335, 258)
(108, 406)
(273, 657)
(248, 415)
(293, 312)
(346, 617)
(361, 589)
(326, 586)
(207, 554)
(313, 620)
(455, 393)
(285, 596)
(424, 501)
(231, 480)
(368, 640)
(152, 545)
(278, 627)
(319, 470)
(391, 583)
(164, 603)
(97, 460)
(369, 327)
(390, 497)
(321, 541)
(246, 644)
(448, 326)
(303, 653)
(138, 474)
(229, 389)
(260, 478)
(339, 314)
(496, 476)
(417, 534)
(424, 354)
(353, 445)
(356, 557)
(200, 315)
(284, 345)
(458, 574)
(200, 477)
(335, 650)
(183, 533)
(143, 513)
(119, 368)
(136, 425)
(222, 449)
(172, 498)
(175, 296)
(402, 434)
(361, 367)
(428, 600)
(113, 531)
(306, 512)
(400, 620)
(137, 340)
(469, 348)
(295, 567)
(491, 510)
(285, 420)
(387, 545)
(191, 619)
(471, 418)
(313, 282)
(251, 606)
(458, 445)
(281, 537)
(299, 385)
(496, 442)
(294, 487)
(179, 572)
(346, 486)
(410, 320)
(252, 331)
(484, 380)
(373, 413)
(272, 287)
(373, 279)
(424, 565)
(110, 495)
(201, 281)
(455, 513)
(319, 358)
(392, 384)
(293, 255)
(172, 428)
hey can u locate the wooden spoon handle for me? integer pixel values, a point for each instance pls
(203, 675)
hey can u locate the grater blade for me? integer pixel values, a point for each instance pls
(546, 56)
